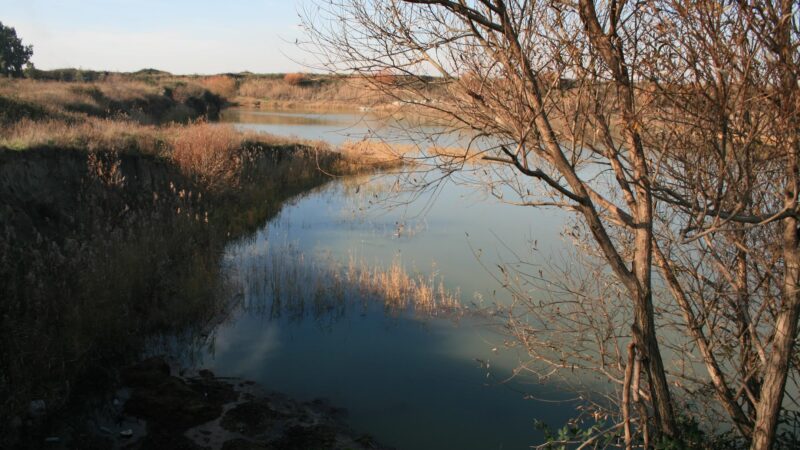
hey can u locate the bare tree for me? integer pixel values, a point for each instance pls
(670, 129)
(727, 141)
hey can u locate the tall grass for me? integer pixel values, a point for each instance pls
(284, 281)
(115, 97)
(212, 152)
(112, 227)
(100, 250)
(341, 91)
(91, 134)
(220, 84)
(376, 154)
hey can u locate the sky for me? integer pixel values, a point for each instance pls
(179, 36)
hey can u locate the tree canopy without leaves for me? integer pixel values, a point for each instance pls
(13, 55)
(672, 130)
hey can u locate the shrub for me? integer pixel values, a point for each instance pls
(385, 78)
(210, 152)
(222, 85)
(295, 79)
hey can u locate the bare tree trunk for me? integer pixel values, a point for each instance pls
(777, 367)
(626, 395)
(695, 328)
(609, 46)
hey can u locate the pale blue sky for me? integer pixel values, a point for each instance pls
(180, 36)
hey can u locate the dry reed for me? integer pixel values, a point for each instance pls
(376, 154)
(284, 280)
(220, 84)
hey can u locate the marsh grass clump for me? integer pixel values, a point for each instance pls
(222, 85)
(295, 79)
(213, 153)
(284, 281)
(376, 154)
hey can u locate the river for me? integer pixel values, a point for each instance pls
(413, 377)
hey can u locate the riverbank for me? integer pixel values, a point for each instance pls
(157, 407)
(112, 226)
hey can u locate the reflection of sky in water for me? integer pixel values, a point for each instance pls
(334, 128)
(412, 383)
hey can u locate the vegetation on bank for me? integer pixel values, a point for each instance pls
(115, 97)
(307, 90)
(117, 198)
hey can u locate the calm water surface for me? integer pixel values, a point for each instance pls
(336, 128)
(412, 380)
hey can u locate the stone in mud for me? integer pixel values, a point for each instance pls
(252, 418)
(37, 408)
(149, 372)
(172, 403)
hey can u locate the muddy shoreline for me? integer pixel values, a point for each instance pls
(154, 406)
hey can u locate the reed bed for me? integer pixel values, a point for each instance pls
(215, 154)
(283, 281)
(300, 88)
(220, 84)
(376, 154)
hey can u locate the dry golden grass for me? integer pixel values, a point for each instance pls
(286, 280)
(213, 152)
(59, 95)
(376, 154)
(92, 134)
(114, 96)
(220, 84)
(345, 91)
(401, 291)
(294, 79)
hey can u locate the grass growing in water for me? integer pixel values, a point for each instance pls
(284, 281)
